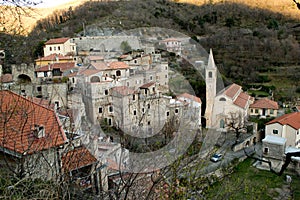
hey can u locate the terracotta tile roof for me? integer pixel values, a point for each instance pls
(89, 72)
(77, 158)
(147, 85)
(62, 66)
(123, 56)
(170, 40)
(265, 103)
(123, 90)
(53, 57)
(99, 65)
(242, 100)
(189, 96)
(6, 78)
(57, 41)
(232, 90)
(22, 116)
(93, 58)
(43, 102)
(72, 74)
(291, 119)
(118, 65)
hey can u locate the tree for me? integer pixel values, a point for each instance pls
(125, 47)
(236, 122)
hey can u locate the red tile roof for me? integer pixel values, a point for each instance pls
(53, 57)
(123, 90)
(42, 102)
(118, 65)
(291, 119)
(6, 78)
(147, 85)
(232, 90)
(242, 100)
(265, 103)
(191, 97)
(62, 66)
(88, 72)
(21, 116)
(77, 158)
(57, 41)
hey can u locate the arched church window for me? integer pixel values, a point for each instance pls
(222, 123)
(222, 99)
(210, 74)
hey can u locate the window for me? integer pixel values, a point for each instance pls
(143, 110)
(256, 111)
(39, 88)
(209, 74)
(222, 99)
(271, 111)
(56, 103)
(148, 122)
(176, 111)
(54, 48)
(100, 110)
(110, 109)
(275, 131)
(45, 74)
(109, 121)
(151, 78)
(127, 83)
(146, 92)
(50, 48)
(148, 106)
(133, 97)
(166, 76)
(118, 73)
(134, 112)
(266, 150)
(168, 113)
(106, 92)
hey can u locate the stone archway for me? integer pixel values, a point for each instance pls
(24, 79)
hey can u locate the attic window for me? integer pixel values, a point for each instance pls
(275, 131)
(222, 99)
(38, 131)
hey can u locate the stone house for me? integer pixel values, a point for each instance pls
(286, 126)
(172, 45)
(63, 46)
(264, 107)
(31, 135)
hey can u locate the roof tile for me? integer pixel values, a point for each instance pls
(265, 103)
(291, 119)
(57, 41)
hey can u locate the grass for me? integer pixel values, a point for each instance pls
(248, 182)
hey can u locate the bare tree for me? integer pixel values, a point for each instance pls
(236, 122)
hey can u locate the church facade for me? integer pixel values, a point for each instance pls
(222, 105)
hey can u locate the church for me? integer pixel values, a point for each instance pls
(221, 105)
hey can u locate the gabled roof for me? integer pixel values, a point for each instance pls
(57, 41)
(147, 85)
(89, 72)
(123, 90)
(53, 57)
(6, 78)
(232, 90)
(118, 65)
(191, 97)
(265, 103)
(43, 102)
(242, 100)
(61, 66)
(291, 119)
(21, 117)
(77, 158)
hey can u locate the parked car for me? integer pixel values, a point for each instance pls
(216, 157)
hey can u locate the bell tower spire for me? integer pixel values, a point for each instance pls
(211, 85)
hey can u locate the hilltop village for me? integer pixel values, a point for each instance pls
(78, 103)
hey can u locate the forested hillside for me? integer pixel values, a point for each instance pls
(246, 40)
